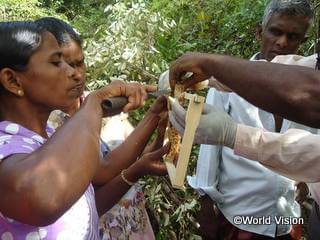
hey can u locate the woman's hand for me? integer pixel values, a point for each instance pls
(151, 158)
(150, 162)
(135, 92)
(158, 141)
(134, 146)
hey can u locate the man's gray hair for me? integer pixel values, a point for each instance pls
(287, 7)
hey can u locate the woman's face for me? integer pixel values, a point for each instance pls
(49, 81)
(73, 55)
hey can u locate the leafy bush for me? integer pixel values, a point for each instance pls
(137, 40)
(23, 10)
(212, 26)
(124, 46)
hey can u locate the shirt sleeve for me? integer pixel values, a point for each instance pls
(16, 145)
(294, 154)
(298, 60)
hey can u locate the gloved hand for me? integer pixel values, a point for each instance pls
(215, 126)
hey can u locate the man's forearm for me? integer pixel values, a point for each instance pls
(293, 154)
(289, 91)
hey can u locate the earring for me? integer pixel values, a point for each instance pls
(20, 93)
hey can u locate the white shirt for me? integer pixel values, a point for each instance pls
(242, 187)
(294, 154)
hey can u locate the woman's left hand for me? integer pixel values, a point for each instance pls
(151, 159)
(151, 162)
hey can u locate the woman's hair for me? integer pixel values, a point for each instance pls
(61, 30)
(18, 41)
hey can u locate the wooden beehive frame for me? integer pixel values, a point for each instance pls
(177, 174)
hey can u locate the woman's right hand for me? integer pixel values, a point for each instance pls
(151, 163)
(134, 145)
(135, 92)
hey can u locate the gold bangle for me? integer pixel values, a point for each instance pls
(125, 179)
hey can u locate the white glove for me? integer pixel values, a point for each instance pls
(163, 82)
(215, 126)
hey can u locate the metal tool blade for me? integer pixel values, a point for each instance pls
(159, 93)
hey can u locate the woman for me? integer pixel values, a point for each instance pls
(126, 217)
(45, 177)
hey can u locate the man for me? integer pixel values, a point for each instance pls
(295, 153)
(239, 186)
(284, 28)
(289, 91)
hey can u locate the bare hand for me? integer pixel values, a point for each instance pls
(158, 141)
(197, 63)
(151, 163)
(135, 92)
(159, 107)
(151, 160)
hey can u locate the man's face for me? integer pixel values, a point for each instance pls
(282, 35)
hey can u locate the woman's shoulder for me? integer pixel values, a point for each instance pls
(16, 139)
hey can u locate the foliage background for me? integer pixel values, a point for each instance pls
(136, 41)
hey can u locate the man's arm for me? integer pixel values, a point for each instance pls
(293, 154)
(289, 91)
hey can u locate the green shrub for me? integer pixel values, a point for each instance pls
(124, 46)
(23, 10)
(136, 41)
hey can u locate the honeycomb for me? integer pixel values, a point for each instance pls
(173, 136)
